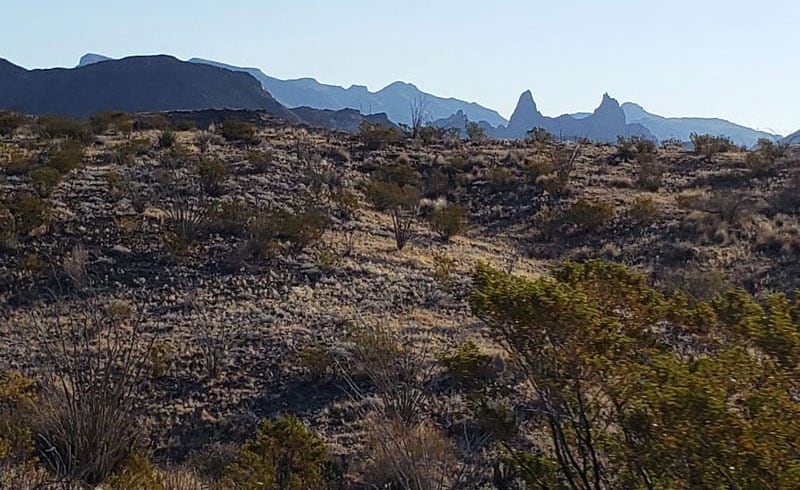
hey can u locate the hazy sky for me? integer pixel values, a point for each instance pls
(734, 59)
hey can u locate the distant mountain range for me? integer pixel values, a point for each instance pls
(604, 124)
(793, 139)
(153, 84)
(395, 99)
(681, 127)
(166, 86)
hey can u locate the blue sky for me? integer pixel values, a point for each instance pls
(734, 59)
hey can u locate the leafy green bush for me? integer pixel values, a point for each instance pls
(636, 148)
(644, 211)
(17, 395)
(300, 229)
(475, 133)
(284, 455)
(762, 159)
(103, 121)
(377, 136)
(590, 340)
(28, 212)
(708, 145)
(63, 127)
(431, 134)
(467, 365)
(44, 180)
(590, 215)
(212, 174)
(650, 176)
(260, 160)
(540, 136)
(238, 130)
(67, 158)
(448, 221)
(394, 189)
(9, 122)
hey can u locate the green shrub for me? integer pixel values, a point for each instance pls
(590, 215)
(394, 189)
(20, 166)
(540, 136)
(431, 134)
(44, 180)
(167, 139)
(377, 136)
(318, 361)
(475, 133)
(63, 127)
(298, 229)
(762, 159)
(650, 176)
(9, 122)
(467, 365)
(644, 211)
(67, 158)
(102, 121)
(708, 145)
(284, 455)
(28, 212)
(650, 376)
(238, 130)
(636, 148)
(261, 160)
(212, 175)
(17, 395)
(448, 220)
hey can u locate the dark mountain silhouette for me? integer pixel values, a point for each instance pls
(394, 99)
(135, 84)
(681, 127)
(344, 120)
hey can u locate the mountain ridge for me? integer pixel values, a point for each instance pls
(133, 84)
(395, 99)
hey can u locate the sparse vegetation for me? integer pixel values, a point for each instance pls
(708, 145)
(448, 221)
(274, 292)
(237, 130)
(376, 136)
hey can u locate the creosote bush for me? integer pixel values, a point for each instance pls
(52, 127)
(394, 189)
(212, 174)
(639, 390)
(237, 130)
(67, 158)
(761, 160)
(644, 211)
(708, 145)
(284, 455)
(448, 221)
(9, 122)
(377, 136)
(590, 215)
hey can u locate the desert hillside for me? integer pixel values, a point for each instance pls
(217, 280)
